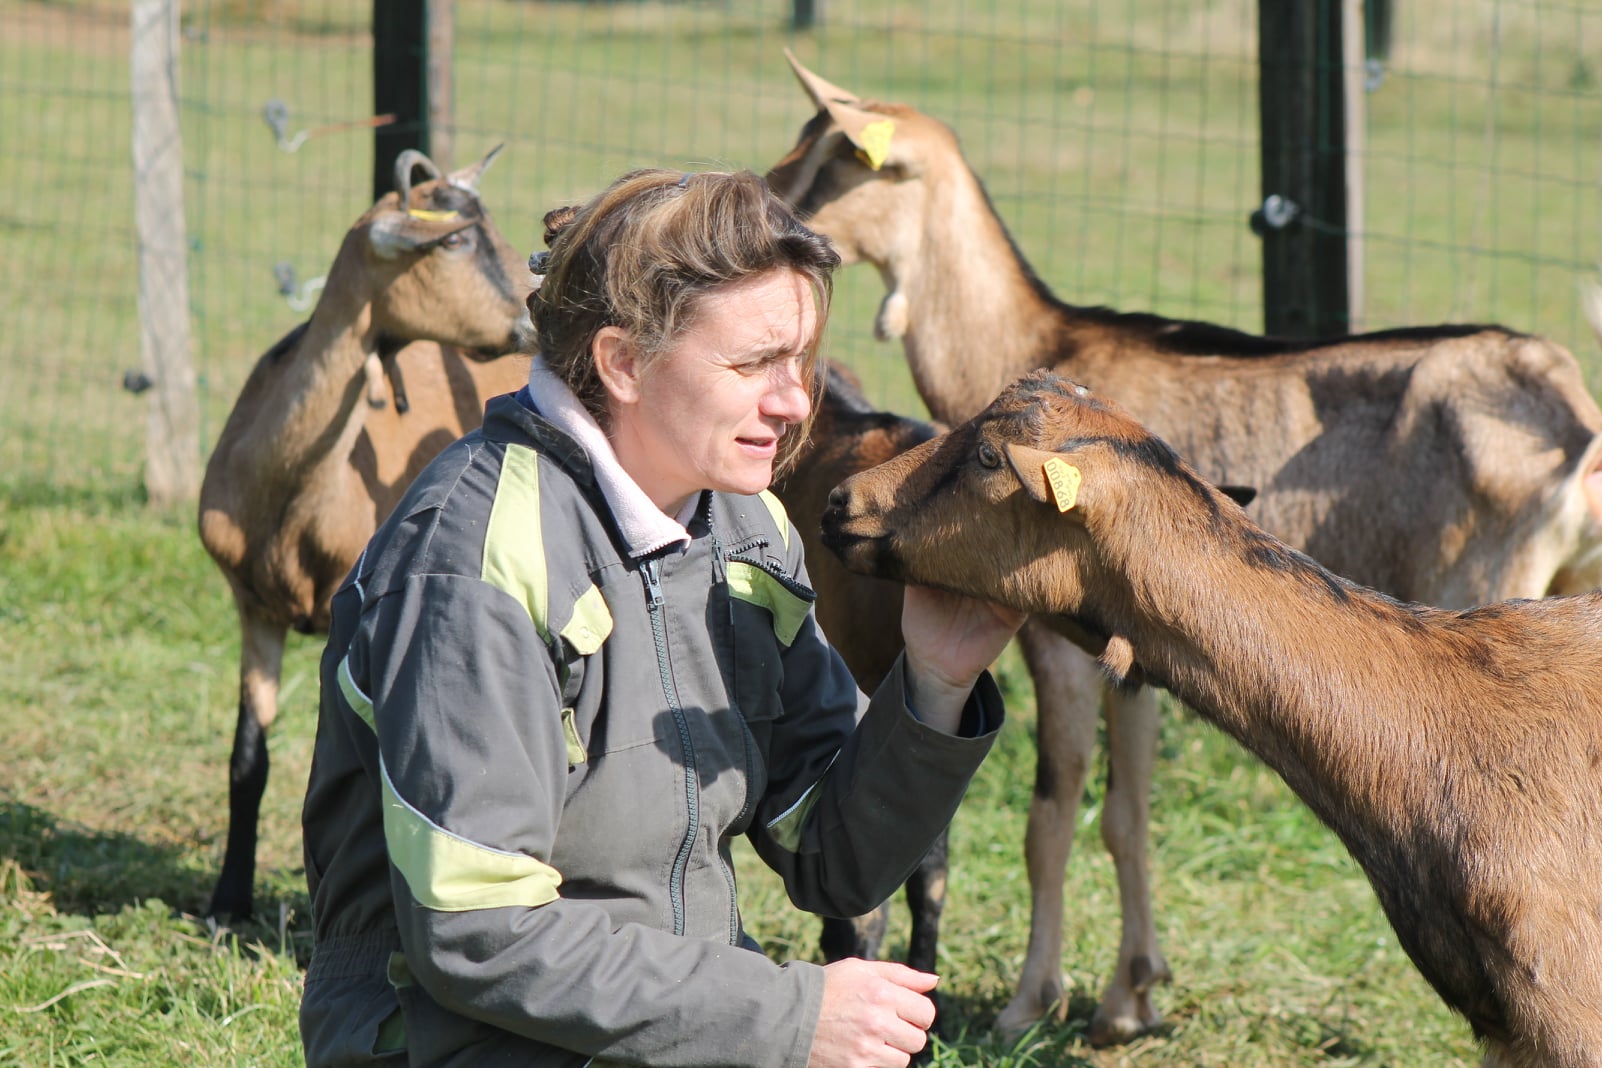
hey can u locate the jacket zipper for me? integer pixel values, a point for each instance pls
(654, 602)
(777, 570)
(721, 578)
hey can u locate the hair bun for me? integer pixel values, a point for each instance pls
(557, 220)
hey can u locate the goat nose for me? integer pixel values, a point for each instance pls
(838, 497)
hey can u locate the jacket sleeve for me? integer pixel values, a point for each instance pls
(474, 766)
(858, 789)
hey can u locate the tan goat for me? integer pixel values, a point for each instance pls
(1448, 465)
(861, 617)
(306, 467)
(1458, 755)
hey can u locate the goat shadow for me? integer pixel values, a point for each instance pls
(94, 873)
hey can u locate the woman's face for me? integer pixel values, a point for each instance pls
(708, 413)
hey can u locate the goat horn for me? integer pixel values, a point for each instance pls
(821, 91)
(404, 163)
(467, 178)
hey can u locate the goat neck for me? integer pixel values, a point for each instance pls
(922, 218)
(319, 390)
(966, 279)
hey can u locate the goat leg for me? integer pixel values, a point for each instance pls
(857, 936)
(926, 900)
(1067, 688)
(1126, 1010)
(261, 663)
(397, 383)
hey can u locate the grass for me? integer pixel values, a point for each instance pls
(116, 696)
(1119, 144)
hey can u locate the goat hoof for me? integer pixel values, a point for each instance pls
(228, 906)
(1108, 1029)
(1023, 1013)
(1124, 1017)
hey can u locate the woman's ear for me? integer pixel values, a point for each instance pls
(617, 364)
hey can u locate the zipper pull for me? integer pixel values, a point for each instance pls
(719, 573)
(653, 587)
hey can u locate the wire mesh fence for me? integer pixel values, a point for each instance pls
(1118, 142)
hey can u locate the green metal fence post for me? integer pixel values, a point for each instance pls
(400, 85)
(1303, 218)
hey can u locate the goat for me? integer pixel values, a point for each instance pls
(861, 617)
(1452, 465)
(306, 467)
(1457, 754)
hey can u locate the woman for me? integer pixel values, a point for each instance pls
(580, 658)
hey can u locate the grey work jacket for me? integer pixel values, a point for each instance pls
(533, 751)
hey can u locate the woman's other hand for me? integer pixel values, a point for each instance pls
(875, 1014)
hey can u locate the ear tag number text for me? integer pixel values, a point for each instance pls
(1064, 479)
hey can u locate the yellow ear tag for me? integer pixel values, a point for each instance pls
(874, 142)
(1064, 479)
(433, 216)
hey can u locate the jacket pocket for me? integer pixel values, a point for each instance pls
(768, 608)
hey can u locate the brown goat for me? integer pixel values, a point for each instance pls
(1458, 755)
(306, 468)
(861, 617)
(1451, 465)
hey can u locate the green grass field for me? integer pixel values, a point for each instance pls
(116, 706)
(1119, 143)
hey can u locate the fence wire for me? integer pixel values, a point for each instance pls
(1118, 142)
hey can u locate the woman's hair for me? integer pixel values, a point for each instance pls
(641, 255)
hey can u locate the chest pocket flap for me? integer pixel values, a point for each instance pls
(785, 599)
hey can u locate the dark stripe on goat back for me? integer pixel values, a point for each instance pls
(1158, 455)
(1187, 337)
(287, 342)
(1258, 547)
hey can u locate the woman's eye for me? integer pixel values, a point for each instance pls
(988, 456)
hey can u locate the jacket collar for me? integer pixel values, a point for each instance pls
(644, 528)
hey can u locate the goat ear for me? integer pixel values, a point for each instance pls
(873, 134)
(821, 91)
(468, 177)
(1030, 467)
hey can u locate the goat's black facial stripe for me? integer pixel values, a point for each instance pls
(490, 264)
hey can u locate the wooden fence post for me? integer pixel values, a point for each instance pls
(442, 82)
(172, 439)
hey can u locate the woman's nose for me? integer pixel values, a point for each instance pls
(787, 397)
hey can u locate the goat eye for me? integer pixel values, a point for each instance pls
(988, 456)
(452, 240)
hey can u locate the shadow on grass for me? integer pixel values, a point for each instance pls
(95, 873)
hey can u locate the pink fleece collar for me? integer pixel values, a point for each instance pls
(646, 528)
